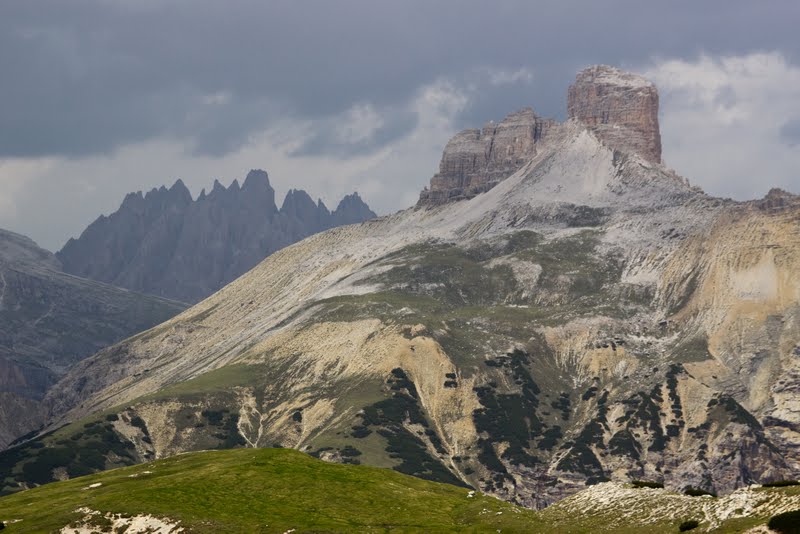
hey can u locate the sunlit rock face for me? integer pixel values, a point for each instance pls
(476, 160)
(619, 107)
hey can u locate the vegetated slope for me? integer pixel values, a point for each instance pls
(265, 490)
(167, 244)
(281, 490)
(588, 317)
(49, 320)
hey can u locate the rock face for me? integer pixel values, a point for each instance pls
(475, 160)
(619, 107)
(49, 321)
(167, 244)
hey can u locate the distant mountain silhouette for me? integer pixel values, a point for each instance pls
(167, 244)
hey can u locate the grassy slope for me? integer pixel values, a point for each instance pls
(275, 490)
(266, 490)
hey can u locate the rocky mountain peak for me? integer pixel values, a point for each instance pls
(180, 193)
(352, 209)
(476, 160)
(19, 249)
(297, 202)
(217, 188)
(778, 199)
(256, 179)
(621, 108)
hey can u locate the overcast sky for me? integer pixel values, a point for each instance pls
(102, 97)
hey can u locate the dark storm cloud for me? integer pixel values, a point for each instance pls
(85, 77)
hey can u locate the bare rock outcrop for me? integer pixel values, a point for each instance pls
(619, 107)
(475, 160)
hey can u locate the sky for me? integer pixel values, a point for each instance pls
(102, 97)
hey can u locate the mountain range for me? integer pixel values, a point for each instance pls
(559, 310)
(167, 244)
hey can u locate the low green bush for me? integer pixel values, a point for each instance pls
(781, 483)
(786, 523)
(646, 484)
(691, 524)
(696, 492)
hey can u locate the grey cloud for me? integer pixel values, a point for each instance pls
(725, 97)
(327, 140)
(790, 132)
(87, 76)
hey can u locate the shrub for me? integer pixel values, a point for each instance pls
(139, 423)
(691, 524)
(696, 492)
(781, 483)
(786, 523)
(646, 484)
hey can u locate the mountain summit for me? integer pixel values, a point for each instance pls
(167, 244)
(620, 108)
(561, 310)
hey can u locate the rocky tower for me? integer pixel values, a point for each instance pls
(476, 160)
(619, 107)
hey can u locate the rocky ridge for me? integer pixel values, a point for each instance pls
(167, 244)
(591, 317)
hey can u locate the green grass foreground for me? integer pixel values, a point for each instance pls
(266, 490)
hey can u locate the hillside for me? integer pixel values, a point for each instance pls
(50, 320)
(266, 490)
(558, 311)
(280, 490)
(166, 243)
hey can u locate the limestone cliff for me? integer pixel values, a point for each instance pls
(619, 107)
(474, 160)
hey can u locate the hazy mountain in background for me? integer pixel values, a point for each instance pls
(49, 320)
(167, 244)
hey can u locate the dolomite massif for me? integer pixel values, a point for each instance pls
(559, 310)
(165, 243)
